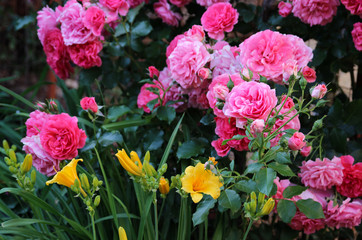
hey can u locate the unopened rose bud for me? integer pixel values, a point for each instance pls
(305, 151)
(41, 106)
(153, 72)
(318, 91)
(285, 9)
(317, 125)
(221, 91)
(257, 126)
(309, 74)
(89, 103)
(204, 73)
(53, 105)
(296, 142)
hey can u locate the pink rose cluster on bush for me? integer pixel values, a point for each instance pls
(357, 35)
(51, 139)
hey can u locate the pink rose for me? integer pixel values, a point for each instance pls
(153, 72)
(180, 3)
(115, 7)
(94, 20)
(204, 73)
(317, 12)
(86, 55)
(61, 137)
(318, 91)
(257, 126)
(196, 32)
(187, 58)
(347, 215)
(225, 59)
(352, 178)
(197, 97)
(290, 68)
(305, 151)
(321, 174)
(285, 8)
(163, 10)
(309, 74)
(135, 3)
(250, 100)
(296, 142)
(208, 3)
(173, 45)
(47, 20)
(301, 222)
(221, 150)
(89, 103)
(145, 95)
(354, 6)
(35, 123)
(42, 161)
(219, 18)
(357, 35)
(226, 129)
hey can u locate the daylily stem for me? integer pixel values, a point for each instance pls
(247, 230)
(93, 227)
(156, 219)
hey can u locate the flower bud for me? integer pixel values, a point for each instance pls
(309, 74)
(204, 73)
(84, 181)
(95, 182)
(163, 169)
(53, 106)
(40, 106)
(89, 103)
(261, 198)
(12, 156)
(153, 72)
(305, 151)
(221, 91)
(122, 233)
(257, 126)
(302, 83)
(252, 205)
(268, 207)
(296, 142)
(7, 161)
(13, 170)
(318, 91)
(13, 147)
(285, 8)
(33, 176)
(6, 146)
(97, 200)
(164, 186)
(317, 125)
(26, 164)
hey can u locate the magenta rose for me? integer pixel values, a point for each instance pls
(219, 18)
(309, 74)
(115, 7)
(226, 129)
(296, 142)
(347, 215)
(305, 151)
(180, 3)
(249, 100)
(153, 72)
(163, 10)
(35, 123)
(208, 3)
(318, 91)
(352, 178)
(354, 6)
(357, 35)
(94, 20)
(89, 103)
(285, 8)
(145, 95)
(47, 20)
(221, 150)
(61, 137)
(86, 55)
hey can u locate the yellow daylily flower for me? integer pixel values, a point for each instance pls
(198, 180)
(133, 165)
(67, 175)
(164, 186)
(122, 233)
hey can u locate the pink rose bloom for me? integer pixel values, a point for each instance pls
(153, 72)
(317, 195)
(281, 185)
(47, 20)
(35, 123)
(226, 129)
(354, 6)
(347, 215)
(257, 126)
(305, 151)
(204, 73)
(94, 20)
(89, 103)
(56, 52)
(197, 97)
(145, 96)
(188, 57)
(318, 91)
(196, 32)
(86, 55)
(61, 137)
(218, 89)
(115, 7)
(225, 59)
(173, 45)
(208, 3)
(163, 10)
(316, 12)
(321, 174)
(309, 74)
(219, 18)
(135, 3)
(180, 3)
(72, 26)
(42, 161)
(296, 142)
(352, 178)
(221, 150)
(301, 222)
(357, 35)
(266, 52)
(290, 68)
(250, 100)
(285, 8)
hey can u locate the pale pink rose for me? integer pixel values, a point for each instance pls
(316, 12)
(61, 137)
(204, 73)
(72, 26)
(347, 215)
(42, 161)
(357, 35)
(318, 91)
(296, 142)
(163, 10)
(115, 7)
(309, 74)
(221, 150)
(266, 52)
(290, 68)
(94, 20)
(250, 100)
(354, 6)
(257, 126)
(352, 177)
(305, 151)
(196, 32)
(153, 72)
(180, 3)
(188, 57)
(220, 45)
(47, 20)
(301, 222)
(218, 88)
(208, 3)
(35, 123)
(86, 55)
(321, 174)
(285, 8)
(145, 95)
(57, 54)
(89, 103)
(219, 18)
(225, 59)
(226, 129)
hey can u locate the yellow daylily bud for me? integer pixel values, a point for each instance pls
(122, 233)
(268, 207)
(26, 164)
(128, 164)
(7, 161)
(84, 181)
(13, 170)
(253, 196)
(164, 186)
(252, 205)
(97, 200)
(150, 171)
(6, 145)
(33, 176)
(12, 155)
(261, 197)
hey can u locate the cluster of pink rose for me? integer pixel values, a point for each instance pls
(52, 138)
(321, 177)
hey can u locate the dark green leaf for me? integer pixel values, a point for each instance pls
(283, 157)
(153, 139)
(264, 180)
(286, 210)
(311, 208)
(109, 138)
(166, 114)
(319, 54)
(282, 169)
(89, 146)
(253, 168)
(292, 191)
(191, 148)
(121, 29)
(207, 119)
(231, 200)
(202, 210)
(22, 22)
(247, 186)
(132, 13)
(142, 28)
(115, 112)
